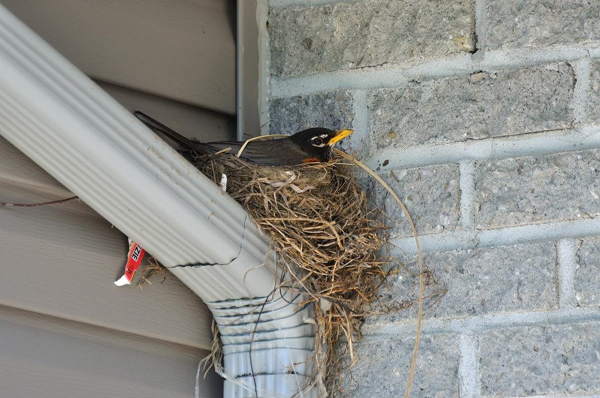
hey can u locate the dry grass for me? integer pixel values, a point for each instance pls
(327, 238)
(151, 269)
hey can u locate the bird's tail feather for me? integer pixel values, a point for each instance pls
(160, 128)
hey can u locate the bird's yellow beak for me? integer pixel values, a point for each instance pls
(340, 135)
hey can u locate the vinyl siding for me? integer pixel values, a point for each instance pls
(42, 356)
(182, 50)
(65, 329)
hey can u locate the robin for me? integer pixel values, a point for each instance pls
(306, 146)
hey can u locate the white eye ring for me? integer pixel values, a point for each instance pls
(320, 143)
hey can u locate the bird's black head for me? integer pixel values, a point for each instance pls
(318, 141)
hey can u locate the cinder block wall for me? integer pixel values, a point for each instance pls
(485, 116)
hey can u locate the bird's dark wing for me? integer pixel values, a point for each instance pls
(276, 152)
(186, 146)
(160, 128)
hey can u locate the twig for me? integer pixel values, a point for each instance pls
(259, 137)
(52, 202)
(419, 326)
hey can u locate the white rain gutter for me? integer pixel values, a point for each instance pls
(65, 123)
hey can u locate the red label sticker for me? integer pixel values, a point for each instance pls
(134, 259)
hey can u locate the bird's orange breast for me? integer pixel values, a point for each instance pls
(311, 160)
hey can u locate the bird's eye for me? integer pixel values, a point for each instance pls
(317, 141)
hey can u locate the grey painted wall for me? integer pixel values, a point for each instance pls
(484, 117)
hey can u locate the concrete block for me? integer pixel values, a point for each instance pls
(556, 187)
(587, 274)
(593, 102)
(382, 368)
(478, 106)
(539, 23)
(331, 110)
(352, 35)
(432, 195)
(480, 281)
(538, 360)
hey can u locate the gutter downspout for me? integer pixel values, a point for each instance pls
(70, 127)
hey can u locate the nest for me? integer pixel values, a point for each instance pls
(325, 234)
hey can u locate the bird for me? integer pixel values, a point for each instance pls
(307, 146)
